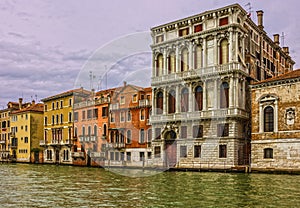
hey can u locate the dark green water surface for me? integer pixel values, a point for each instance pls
(23, 185)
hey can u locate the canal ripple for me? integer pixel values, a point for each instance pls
(23, 185)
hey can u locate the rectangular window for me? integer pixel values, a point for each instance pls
(26, 128)
(70, 102)
(117, 156)
(104, 111)
(157, 133)
(222, 151)
(223, 21)
(89, 114)
(198, 28)
(142, 136)
(95, 113)
(268, 153)
(183, 151)
(46, 121)
(157, 152)
(159, 38)
(26, 140)
(183, 32)
(128, 156)
(149, 135)
(53, 106)
(57, 105)
(122, 117)
(128, 116)
(45, 108)
(183, 132)
(122, 100)
(223, 130)
(83, 115)
(112, 156)
(75, 116)
(198, 131)
(134, 98)
(197, 151)
(61, 104)
(112, 118)
(142, 156)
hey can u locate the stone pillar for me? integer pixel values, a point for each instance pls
(276, 116)
(230, 41)
(260, 119)
(165, 69)
(190, 64)
(204, 96)
(190, 98)
(216, 95)
(231, 92)
(177, 68)
(153, 102)
(177, 105)
(236, 47)
(244, 94)
(165, 102)
(216, 47)
(204, 58)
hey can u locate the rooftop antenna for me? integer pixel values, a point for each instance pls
(249, 9)
(282, 39)
(92, 77)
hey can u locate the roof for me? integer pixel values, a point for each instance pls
(286, 76)
(66, 94)
(39, 107)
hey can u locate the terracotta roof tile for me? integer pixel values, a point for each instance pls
(289, 75)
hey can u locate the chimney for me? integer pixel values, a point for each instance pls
(260, 23)
(286, 50)
(20, 103)
(125, 83)
(276, 39)
(33, 102)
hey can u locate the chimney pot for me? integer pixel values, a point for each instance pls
(20, 102)
(276, 39)
(286, 50)
(260, 15)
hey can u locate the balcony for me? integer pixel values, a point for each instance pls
(102, 100)
(78, 154)
(2, 141)
(42, 143)
(143, 103)
(118, 145)
(93, 138)
(98, 154)
(225, 68)
(114, 106)
(218, 113)
(83, 104)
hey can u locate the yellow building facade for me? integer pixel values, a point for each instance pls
(26, 131)
(58, 127)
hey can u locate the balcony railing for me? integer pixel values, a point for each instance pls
(118, 145)
(2, 141)
(93, 138)
(98, 154)
(78, 154)
(114, 106)
(86, 103)
(218, 113)
(143, 103)
(199, 72)
(102, 100)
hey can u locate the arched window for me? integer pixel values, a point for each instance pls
(184, 100)
(224, 58)
(95, 130)
(224, 95)
(159, 103)
(184, 59)
(89, 130)
(83, 131)
(172, 63)
(172, 101)
(61, 118)
(128, 136)
(269, 119)
(198, 57)
(159, 65)
(198, 98)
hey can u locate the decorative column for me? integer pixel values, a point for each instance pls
(204, 96)
(260, 118)
(204, 58)
(216, 95)
(231, 92)
(216, 50)
(165, 69)
(177, 105)
(190, 98)
(153, 102)
(244, 94)
(236, 46)
(230, 41)
(177, 60)
(165, 101)
(190, 64)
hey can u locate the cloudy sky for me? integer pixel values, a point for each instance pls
(45, 45)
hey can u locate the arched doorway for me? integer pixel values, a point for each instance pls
(170, 148)
(57, 156)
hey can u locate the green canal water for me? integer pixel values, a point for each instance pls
(23, 185)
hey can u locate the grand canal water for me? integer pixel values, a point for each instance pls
(23, 185)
